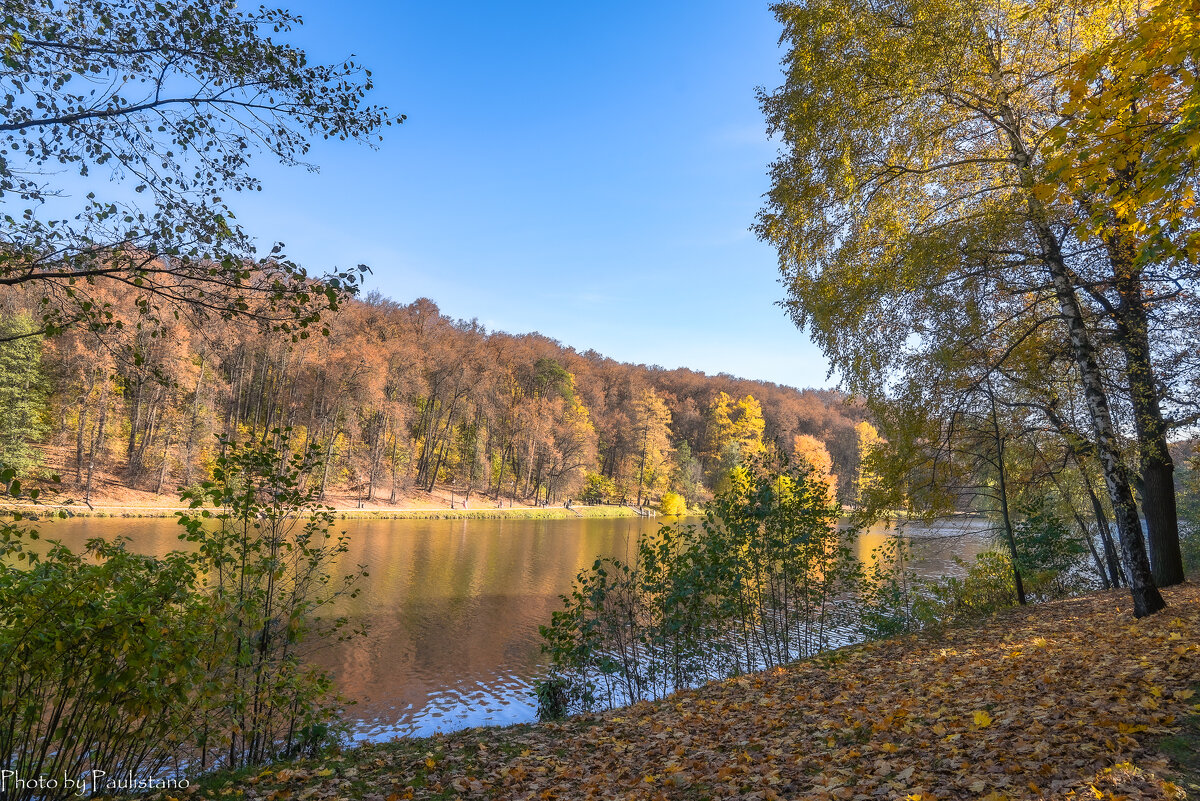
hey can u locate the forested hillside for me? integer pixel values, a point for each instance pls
(401, 400)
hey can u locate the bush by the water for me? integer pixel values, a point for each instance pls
(268, 553)
(757, 584)
(672, 505)
(103, 660)
(134, 664)
(767, 578)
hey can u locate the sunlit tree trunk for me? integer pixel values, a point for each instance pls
(1146, 597)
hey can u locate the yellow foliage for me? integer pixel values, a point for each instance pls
(812, 452)
(672, 504)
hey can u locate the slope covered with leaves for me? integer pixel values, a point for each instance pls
(1064, 700)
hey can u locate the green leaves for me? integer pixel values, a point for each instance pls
(267, 550)
(176, 97)
(87, 635)
(753, 586)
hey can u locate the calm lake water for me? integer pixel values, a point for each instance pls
(454, 606)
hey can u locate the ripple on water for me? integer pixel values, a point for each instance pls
(501, 700)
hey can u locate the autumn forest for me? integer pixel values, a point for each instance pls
(965, 572)
(400, 398)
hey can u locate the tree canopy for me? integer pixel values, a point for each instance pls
(911, 209)
(125, 125)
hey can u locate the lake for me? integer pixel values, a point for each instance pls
(453, 606)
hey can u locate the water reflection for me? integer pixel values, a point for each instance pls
(454, 606)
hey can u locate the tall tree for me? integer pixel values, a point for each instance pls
(1124, 153)
(22, 421)
(812, 452)
(652, 424)
(911, 173)
(734, 434)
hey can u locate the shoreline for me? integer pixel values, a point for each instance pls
(41, 511)
(839, 722)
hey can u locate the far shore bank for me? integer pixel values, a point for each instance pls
(42, 511)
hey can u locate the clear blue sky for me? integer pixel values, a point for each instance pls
(588, 171)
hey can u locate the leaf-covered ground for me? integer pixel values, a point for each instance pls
(1074, 699)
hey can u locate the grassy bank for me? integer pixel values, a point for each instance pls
(513, 513)
(1073, 699)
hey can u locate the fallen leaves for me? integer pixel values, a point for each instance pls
(1054, 701)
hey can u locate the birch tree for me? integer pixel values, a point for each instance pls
(909, 174)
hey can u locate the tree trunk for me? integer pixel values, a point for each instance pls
(135, 417)
(1146, 597)
(395, 444)
(79, 439)
(190, 434)
(328, 455)
(1157, 467)
(1080, 448)
(162, 470)
(1004, 515)
(97, 442)
(1105, 531)
(1105, 582)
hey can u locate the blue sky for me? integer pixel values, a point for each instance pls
(588, 171)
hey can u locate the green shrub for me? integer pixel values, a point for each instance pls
(985, 588)
(1189, 546)
(1048, 555)
(889, 598)
(553, 699)
(759, 583)
(598, 489)
(125, 663)
(267, 551)
(103, 661)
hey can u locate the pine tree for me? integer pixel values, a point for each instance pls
(21, 399)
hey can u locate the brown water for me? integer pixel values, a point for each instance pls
(453, 606)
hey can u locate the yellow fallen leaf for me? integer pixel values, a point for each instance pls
(982, 719)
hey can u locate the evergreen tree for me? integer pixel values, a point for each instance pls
(21, 398)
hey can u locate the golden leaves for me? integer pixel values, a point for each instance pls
(1045, 702)
(1128, 136)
